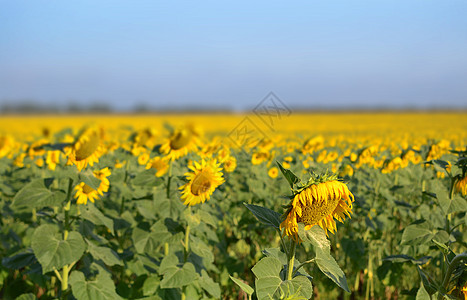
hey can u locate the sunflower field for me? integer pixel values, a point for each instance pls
(218, 206)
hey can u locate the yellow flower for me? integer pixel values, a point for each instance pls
(205, 177)
(464, 290)
(53, 158)
(87, 149)
(180, 143)
(40, 162)
(321, 202)
(461, 186)
(160, 164)
(84, 192)
(273, 172)
(230, 164)
(143, 158)
(259, 157)
(6, 143)
(19, 160)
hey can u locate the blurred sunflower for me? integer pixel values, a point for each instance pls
(86, 149)
(53, 158)
(180, 143)
(320, 202)
(6, 144)
(84, 192)
(205, 177)
(230, 163)
(273, 172)
(160, 164)
(464, 291)
(461, 186)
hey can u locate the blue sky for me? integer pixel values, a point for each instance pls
(212, 54)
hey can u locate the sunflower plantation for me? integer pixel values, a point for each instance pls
(306, 206)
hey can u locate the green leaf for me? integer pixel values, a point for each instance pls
(88, 178)
(416, 234)
(107, 255)
(209, 285)
(298, 287)
(422, 294)
(36, 194)
(289, 175)
(20, 259)
(52, 251)
(266, 267)
(147, 242)
(316, 236)
(266, 287)
(401, 258)
(91, 213)
(201, 249)
(245, 287)
(328, 265)
(265, 215)
(147, 178)
(102, 288)
(175, 277)
(28, 296)
(150, 285)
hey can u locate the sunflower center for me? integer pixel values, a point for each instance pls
(180, 140)
(87, 189)
(200, 184)
(320, 209)
(88, 147)
(2, 142)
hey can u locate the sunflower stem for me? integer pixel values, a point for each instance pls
(302, 264)
(169, 179)
(291, 260)
(283, 243)
(187, 240)
(66, 229)
(454, 263)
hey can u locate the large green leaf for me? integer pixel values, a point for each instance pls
(266, 267)
(52, 251)
(298, 287)
(91, 213)
(209, 285)
(20, 259)
(175, 277)
(315, 236)
(245, 287)
(265, 215)
(107, 255)
(328, 265)
(102, 288)
(266, 287)
(37, 194)
(417, 234)
(291, 178)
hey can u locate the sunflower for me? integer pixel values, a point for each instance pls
(180, 143)
(160, 164)
(230, 163)
(320, 202)
(6, 144)
(273, 172)
(202, 182)
(461, 186)
(464, 290)
(53, 158)
(84, 192)
(86, 149)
